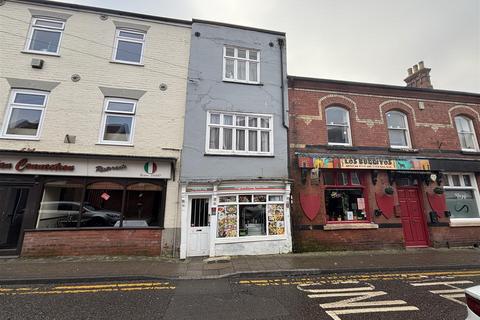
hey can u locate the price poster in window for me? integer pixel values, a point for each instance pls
(276, 219)
(361, 203)
(227, 221)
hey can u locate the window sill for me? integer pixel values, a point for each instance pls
(41, 53)
(129, 63)
(246, 83)
(341, 147)
(114, 144)
(402, 150)
(471, 152)
(467, 222)
(19, 138)
(210, 154)
(350, 226)
(249, 239)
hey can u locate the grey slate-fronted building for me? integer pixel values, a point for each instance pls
(234, 177)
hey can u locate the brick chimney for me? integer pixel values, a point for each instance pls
(419, 76)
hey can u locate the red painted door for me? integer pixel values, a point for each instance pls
(413, 220)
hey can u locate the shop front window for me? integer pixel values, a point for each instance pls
(345, 197)
(462, 196)
(142, 205)
(60, 205)
(250, 215)
(100, 204)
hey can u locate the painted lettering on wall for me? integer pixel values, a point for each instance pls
(5, 165)
(313, 161)
(23, 164)
(110, 168)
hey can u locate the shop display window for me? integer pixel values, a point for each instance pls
(76, 204)
(345, 197)
(60, 205)
(462, 195)
(250, 215)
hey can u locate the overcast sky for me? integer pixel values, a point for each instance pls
(357, 40)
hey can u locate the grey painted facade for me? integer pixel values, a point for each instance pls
(208, 177)
(206, 92)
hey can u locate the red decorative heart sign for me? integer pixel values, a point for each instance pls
(385, 203)
(438, 203)
(310, 204)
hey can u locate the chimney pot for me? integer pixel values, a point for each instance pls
(419, 76)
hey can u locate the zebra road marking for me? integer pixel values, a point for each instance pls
(453, 293)
(356, 294)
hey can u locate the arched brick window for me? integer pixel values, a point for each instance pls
(398, 131)
(466, 133)
(338, 126)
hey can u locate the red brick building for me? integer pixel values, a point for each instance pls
(378, 166)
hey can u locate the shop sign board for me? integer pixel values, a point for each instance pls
(85, 167)
(358, 162)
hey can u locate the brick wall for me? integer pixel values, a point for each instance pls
(92, 242)
(76, 108)
(430, 128)
(455, 237)
(319, 240)
(433, 134)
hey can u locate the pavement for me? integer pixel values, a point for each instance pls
(127, 268)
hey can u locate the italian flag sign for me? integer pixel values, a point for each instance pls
(150, 167)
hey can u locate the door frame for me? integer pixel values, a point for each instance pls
(189, 216)
(33, 202)
(424, 218)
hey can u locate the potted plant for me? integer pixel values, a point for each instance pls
(438, 190)
(388, 190)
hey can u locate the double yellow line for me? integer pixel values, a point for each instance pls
(362, 277)
(75, 289)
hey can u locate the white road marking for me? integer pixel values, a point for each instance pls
(453, 293)
(334, 314)
(356, 304)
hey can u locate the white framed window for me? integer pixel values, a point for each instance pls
(241, 65)
(118, 121)
(129, 46)
(25, 113)
(461, 192)
(239, 133)
(398, 132)
(45, 36)
(338, 126)
(466, 133)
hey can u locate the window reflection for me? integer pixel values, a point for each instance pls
(105, 204)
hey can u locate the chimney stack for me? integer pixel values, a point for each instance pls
(419, 76)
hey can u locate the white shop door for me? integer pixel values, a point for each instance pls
(199, 230)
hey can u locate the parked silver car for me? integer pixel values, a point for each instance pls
(65, 214)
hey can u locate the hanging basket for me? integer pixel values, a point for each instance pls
(388, 190)
(438, 190)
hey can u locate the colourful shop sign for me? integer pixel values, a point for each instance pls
(380, 163)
